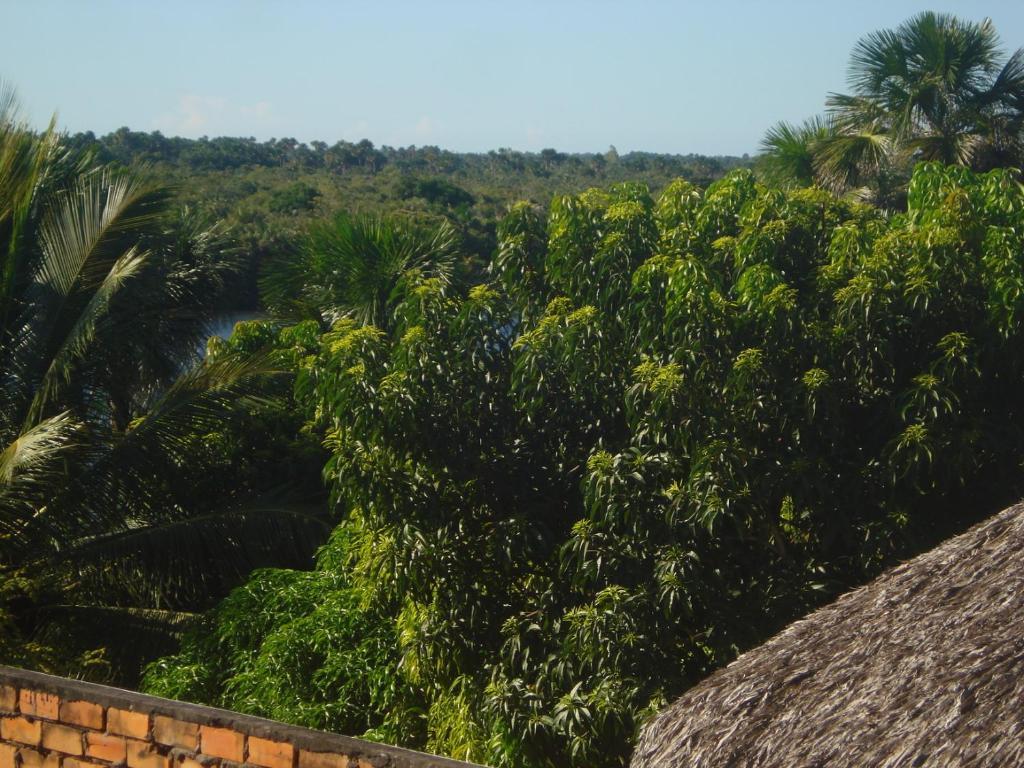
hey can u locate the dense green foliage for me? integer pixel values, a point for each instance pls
(660, 431)
(267, 192)
(935, 88)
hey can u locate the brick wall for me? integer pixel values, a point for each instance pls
(51, 722)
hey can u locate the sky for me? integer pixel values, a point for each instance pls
(706, 76)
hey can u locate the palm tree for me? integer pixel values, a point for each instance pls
(935, 88)
(788, 151)
(104, 300)
(359, 267)
(938, 82)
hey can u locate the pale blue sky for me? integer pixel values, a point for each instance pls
(705, 77)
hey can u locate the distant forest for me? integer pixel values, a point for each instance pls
(266, 192)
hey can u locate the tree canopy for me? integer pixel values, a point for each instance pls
(663, 428)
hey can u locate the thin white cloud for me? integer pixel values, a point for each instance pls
(360, 129)
(194, 112)
(260, 109)
(534, 136)
(197, 114)
(426, 127)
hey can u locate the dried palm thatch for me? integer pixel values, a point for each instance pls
(922, 667)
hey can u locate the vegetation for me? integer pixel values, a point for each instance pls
(267, 193)
(660, 431)
(935, 88)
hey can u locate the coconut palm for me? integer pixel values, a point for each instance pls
(104, 406)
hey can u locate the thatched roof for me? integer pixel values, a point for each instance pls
(922, 667)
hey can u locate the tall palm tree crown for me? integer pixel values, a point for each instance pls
(934, 88)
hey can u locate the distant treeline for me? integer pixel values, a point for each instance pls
(266, 193)
(227, 153)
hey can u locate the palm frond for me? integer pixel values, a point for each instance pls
(28, 164)
(154, 331)
(355, 265)
(952, 148)
(878, 63)
(200, 398)
(86, 229)
(124, 480)
(76, 341)
(843, 160)
(88, 249)
(788, 151)
(30, 466)
(176, 621)
(186, 559)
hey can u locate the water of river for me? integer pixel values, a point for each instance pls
(225, 324)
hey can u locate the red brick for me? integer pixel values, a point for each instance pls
(175, 733)
(7, 753)
(222, 742)
(270, 754)
(83, 713)
(73, 762)
(187, 762)
(143, 755)
(124, 722)
(32, 759)
(62, 738)
(322, 760)
(8, 699)
(21, 730)
(103, 746)
(39, 704)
